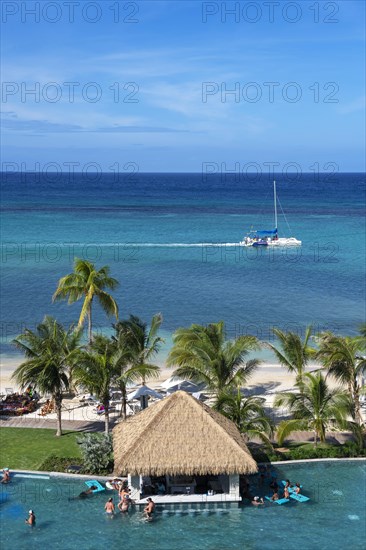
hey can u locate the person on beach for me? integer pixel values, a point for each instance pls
(257, 501)
(149, 509)
(6, 476)
(109, 507)
(31, 519)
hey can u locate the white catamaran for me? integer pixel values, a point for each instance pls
(269, 238)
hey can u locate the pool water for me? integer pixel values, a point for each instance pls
(334, 518)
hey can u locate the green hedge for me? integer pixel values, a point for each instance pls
(55, 463)
(308, 452)
(348, 450)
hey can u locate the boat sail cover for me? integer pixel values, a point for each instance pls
(266, 233)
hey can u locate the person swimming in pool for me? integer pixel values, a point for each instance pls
(257, 501)
(85, 494)
(109, 507)
(275, 496)
(297, 488)
(31, 519)
(286, 493)
(149, 509)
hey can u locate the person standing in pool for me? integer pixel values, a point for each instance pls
(274, 486)
(109, 507)
(124, 504)
(149, 509)
(257, 501)
(31, 519)
(85, 494)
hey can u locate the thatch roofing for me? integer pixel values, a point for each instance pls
(179, 435)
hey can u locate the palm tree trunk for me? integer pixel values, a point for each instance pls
(72, 387)
(356, 397)
(58, 403)
(106, 417)
(90, 334)
(315, 438)
(124, 405)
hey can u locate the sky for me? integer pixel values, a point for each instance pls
(183, 86)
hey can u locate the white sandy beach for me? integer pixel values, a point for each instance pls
(268, 374)
(269, 379)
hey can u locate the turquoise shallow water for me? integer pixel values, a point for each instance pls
(170, 240)
(334, 518)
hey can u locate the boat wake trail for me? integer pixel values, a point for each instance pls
(170, 245)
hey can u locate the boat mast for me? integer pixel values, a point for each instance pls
(275, 203)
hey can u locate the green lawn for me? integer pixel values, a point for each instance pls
(27, 448)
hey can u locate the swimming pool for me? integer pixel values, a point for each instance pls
(334, 518)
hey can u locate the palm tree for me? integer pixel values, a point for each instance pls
(95, 370)
(202, 354)
(88, 283)
(142, 342)
(362, 331)
(49, 352)
(247, 413)
(342, 356)
(136, 347)
(293, 353)
(314, 408)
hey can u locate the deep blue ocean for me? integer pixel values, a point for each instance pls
(170, 241)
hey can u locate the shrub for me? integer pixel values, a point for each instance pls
(96, 450)
(348, 450)
(55, 463)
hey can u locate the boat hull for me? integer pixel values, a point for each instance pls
(282, 242)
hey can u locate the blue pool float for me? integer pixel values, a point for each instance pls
(279, 501)
(299, 497)
(95, 483)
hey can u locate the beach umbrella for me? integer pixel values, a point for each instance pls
(172, 381)
(142, 393)
(185, 385)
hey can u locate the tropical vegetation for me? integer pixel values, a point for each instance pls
(344, 359)
(247, 413)
(136, 345)
(50, 351)
(315, 408)
(202, 354)
(96, 450)
(96, 370)
(56, 358)
(293, 352)
(88, 283)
